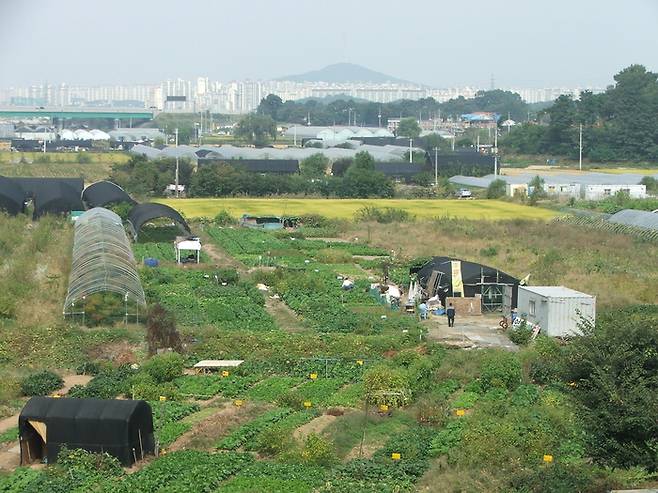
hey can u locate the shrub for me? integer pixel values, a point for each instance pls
(491, 251)
(496, 189)
(164, 367)
(383, 215)
(88, 368)
(385, 385)
(318, 451)
(521, 334)
(224, 218)
(41, 383)
(500, 369)
(333, 256)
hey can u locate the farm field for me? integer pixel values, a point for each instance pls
(345, 208)
(92, 166)
(356, 398)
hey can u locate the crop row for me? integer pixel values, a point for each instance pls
(270, 389)
(200, 297)
(246, 432)
(206, 386)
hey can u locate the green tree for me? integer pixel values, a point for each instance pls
(496, 189)
(408, 128)
(314, 166)
(270, 106)
(256, 129)
(613, 371)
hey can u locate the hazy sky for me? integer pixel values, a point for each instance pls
(441, 43)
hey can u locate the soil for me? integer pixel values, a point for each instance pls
(284, 316)
(368, 451)
(469, 332)
(315, 426)
(220, 257)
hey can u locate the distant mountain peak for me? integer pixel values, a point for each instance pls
(344, 72)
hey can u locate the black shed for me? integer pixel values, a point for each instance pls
(122, 428)
(446, 276)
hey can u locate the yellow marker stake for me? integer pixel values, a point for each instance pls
(163, 398)
(307, 404)
(460, 412)
(359, 362)
(238, 402)
(314, 376)
(396, 456)
(548, 458)
(383, 407)
(225, 373)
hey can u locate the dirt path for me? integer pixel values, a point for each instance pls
(283, 315)
(315, 426)
(219, 256)
(205, 433)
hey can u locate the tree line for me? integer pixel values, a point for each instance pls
(619, 124)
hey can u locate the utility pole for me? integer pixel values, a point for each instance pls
(411, 152)
(436, 166)
(294, 135)
(496, 150)
(580, 148)
(379, 117)
(176, 184)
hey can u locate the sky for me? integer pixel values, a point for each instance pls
(522, 43)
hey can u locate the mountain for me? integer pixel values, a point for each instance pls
(344, 72)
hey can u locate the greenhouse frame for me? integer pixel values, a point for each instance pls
(102, 261)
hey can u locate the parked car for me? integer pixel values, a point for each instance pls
(464, 193)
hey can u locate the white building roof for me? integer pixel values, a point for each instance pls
(555, 292)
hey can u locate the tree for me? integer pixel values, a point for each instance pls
(362, 181)
(161, 330)
(408, 127)
(270, 106)
(613, 373)
(314, 166)
(496, 189)
(256, 129)
(537, 186)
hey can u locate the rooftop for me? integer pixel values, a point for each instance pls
(556, 292)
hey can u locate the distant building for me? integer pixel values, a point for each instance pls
(598, 192)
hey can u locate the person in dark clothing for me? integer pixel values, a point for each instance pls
(451, 315)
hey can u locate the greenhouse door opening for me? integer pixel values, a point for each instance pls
(492, 297)
(33, 443)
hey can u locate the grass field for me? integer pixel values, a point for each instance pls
(60, 164)
(620, 171)
(345, 208)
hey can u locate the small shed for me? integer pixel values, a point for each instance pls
(186, 244)
(557, 310)
(122, 428)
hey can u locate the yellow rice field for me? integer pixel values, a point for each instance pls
(345, 208)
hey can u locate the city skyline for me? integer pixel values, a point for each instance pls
(440, 45)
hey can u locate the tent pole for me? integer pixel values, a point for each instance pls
(141, 447)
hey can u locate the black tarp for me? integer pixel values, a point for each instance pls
(474, 277)
(12, 196)
(36, 186)
(101, 193)
(142, 213)
(96, 425)
(58, 198)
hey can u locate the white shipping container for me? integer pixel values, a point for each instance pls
(557, 310)
(598, 192)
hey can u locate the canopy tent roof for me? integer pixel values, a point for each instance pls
(142, 213)
(102, 259)
(219, 363)
(12, 196)
(105, 192)
(187, 243)
(96, 425)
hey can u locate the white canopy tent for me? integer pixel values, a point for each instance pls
(187, 243)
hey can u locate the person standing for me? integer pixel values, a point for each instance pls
(451, 315)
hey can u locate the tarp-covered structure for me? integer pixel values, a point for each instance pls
(104, 192)
(446, 276)
(52, 195)
(102, 260)
(121, 428)
(636, 218)
(143, 213)
(12, 196)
